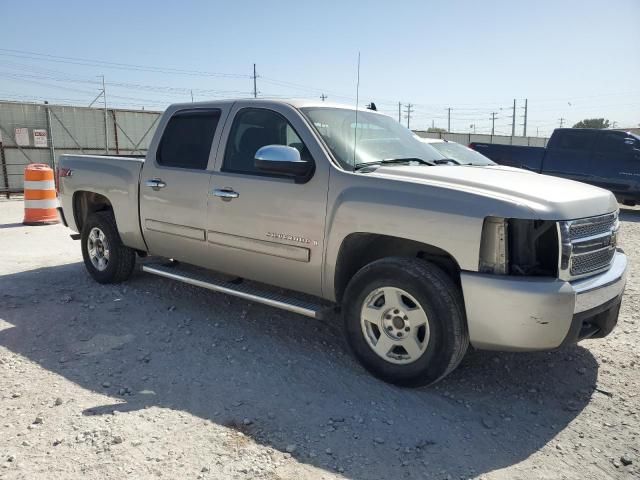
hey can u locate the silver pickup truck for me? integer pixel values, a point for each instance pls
(346, 209)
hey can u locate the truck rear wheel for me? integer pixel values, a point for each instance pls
(404, 320)
(105, 257)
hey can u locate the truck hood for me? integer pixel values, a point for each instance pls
(548, 197)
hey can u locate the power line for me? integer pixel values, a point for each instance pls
(474, 113)
(117, 65)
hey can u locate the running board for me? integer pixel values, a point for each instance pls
(246, 292)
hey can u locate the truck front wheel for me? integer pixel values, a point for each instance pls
(404, 320)
(106, 258)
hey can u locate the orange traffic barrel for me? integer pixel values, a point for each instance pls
(40, 202)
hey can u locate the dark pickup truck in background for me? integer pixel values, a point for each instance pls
(605, 158)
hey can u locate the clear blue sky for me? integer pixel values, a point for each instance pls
(570, 58)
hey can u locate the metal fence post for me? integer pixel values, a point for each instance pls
(3, 161)
(52, 147)
(115, 131)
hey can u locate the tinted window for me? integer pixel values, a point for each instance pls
(186, 141)
(574, 140)
(612, 143)
(252, 129)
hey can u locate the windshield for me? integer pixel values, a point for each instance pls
(461, 154)
(377, 137)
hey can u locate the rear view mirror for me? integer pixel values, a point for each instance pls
(282, 160)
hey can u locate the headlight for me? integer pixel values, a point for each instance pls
(512, 246)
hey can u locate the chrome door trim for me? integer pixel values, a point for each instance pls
(274, 249)
(174, 229)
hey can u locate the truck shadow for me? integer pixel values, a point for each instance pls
(158, 343)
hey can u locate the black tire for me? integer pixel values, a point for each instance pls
(440, 299)
(121, 260)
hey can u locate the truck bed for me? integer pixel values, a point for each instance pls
(115, 178)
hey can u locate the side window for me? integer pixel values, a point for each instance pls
(252, 129)
(575, 140)
(187, 138)
(612, 143)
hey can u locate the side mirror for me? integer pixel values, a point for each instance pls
(282, 160)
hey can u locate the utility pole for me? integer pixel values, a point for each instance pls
(409, 111)
(399, 112)
(191, 95)
(323, 97)
(524, 130)
(448, 119)
(513, 119)
(255, 86)
(433, 124)
(493, 122)
(561, 121)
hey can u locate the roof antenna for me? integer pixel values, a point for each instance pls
(355, 131)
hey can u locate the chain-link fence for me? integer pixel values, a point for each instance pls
(39, 133)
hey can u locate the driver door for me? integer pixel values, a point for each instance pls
(261, 226)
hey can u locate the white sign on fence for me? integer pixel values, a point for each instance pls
(22, 136)
(40, 138)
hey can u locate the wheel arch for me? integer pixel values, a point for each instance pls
(85, 203)
(360, 249)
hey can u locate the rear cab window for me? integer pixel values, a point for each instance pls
(187, 139)
(573, 140)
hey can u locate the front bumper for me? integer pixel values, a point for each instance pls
(534, 313)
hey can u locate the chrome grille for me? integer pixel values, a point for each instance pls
(587, 245)
(591, 262)
(591, 227)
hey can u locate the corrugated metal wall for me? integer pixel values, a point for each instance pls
(467, 138)
(78, 130)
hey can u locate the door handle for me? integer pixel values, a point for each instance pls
(156, 184)
(225, 193)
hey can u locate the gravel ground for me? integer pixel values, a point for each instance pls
(158, 379)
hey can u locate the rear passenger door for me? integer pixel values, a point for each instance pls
(174, 184)
(268, 227)
(570, 155)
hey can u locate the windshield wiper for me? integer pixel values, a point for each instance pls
(392, 161)
(446, 161)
